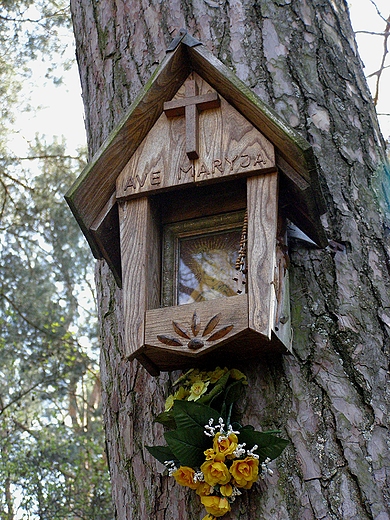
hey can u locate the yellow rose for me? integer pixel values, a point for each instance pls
(197, 390)
(203, 489)
(216, 506)
(210, 454)
(215, 472)
(245, 472)
(226, 490)
(224, 446)
(185, 477)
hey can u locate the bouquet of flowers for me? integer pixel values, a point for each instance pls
(206, 450)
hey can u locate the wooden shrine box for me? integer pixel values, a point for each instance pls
(198, 172)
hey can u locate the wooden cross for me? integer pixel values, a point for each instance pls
(190, 106)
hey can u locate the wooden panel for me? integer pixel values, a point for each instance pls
(262, 200)
(282, 327)
(282, 319)
(140, 268)
(205, 200)
(229, 146)
(96, 184)
(246, 346)
(186, 333)
(105, 230)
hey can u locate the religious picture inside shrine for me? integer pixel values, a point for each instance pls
(200, 259)
(206, 267)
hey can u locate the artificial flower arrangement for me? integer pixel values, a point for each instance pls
(207, 450)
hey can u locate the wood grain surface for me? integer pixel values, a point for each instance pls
(141, 268)
(228, 146)
(262, 197)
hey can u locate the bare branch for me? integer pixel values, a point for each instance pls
(17, 181)
(372, 33)
(45, 156)
(48, 333)
(32, 20)
(378, 11)
(382, 66)
(25, 392)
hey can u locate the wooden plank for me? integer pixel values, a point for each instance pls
(105, 231)
(165, 323)
(140, 268)
(262, 200)
(96, 184)
(213, 199)
(228, 146)
(281, 326)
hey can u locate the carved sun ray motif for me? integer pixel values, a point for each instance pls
(195, 342)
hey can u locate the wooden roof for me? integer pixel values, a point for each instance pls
(92, 196)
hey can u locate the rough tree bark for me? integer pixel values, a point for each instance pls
(331, 399)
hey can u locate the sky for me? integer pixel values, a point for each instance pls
(61, 111)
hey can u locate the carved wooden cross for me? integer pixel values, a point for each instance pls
(190, 106)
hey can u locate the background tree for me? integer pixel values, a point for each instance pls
(52, 462)
(331, 398)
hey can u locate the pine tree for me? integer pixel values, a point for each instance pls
(330, 398)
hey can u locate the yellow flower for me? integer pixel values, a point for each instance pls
(178, 396)
(210, 454)
(197, 390)
(203, 489)
(195, 375)
(237, 374)
(224, 446)
(169, 403)
(245, 472)
(217, 374)
(226, 490)
(215, 506)
(181, 393)
(209, 517)
(215, 472)
(185, 477)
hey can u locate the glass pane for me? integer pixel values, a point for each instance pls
(207, 266)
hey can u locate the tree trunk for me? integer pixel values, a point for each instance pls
(331, 398)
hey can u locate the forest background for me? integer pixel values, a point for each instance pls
(52, 460)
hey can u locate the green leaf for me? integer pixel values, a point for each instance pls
(269, 446)
(188, 414)
(234, 392)
(188, 445)
(217, 390)
(166, 419)
(161, 453)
